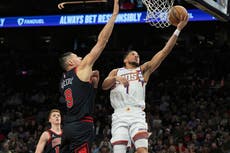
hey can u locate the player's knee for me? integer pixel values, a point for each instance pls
(119, 148)
(141, 145)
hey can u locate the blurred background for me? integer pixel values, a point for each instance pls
(188, 99)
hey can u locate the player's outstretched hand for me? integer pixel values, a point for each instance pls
(183, 23)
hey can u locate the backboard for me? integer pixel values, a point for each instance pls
(218, 8)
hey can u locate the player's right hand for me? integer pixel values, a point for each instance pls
(183, 23)
(122, 80)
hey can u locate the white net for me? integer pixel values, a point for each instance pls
(157, 12)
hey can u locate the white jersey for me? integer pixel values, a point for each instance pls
(134, 94)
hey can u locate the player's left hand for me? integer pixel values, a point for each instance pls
(122, 80)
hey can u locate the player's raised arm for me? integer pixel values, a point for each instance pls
(156, 60)
(102, 40)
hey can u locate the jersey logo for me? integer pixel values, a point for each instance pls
(130, 76)
(56, 142)
(137, 75)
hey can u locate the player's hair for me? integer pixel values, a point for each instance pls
(53, 110)
(63, 59)
(127, 53)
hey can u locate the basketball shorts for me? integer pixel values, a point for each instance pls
(77, 137)
(128, 125)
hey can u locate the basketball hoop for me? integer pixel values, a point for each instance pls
(157, 12)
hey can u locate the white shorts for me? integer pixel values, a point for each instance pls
(128, 125)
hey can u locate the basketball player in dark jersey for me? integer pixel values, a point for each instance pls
(50, 139)
(77, 86)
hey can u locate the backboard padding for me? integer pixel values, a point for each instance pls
(218, 8)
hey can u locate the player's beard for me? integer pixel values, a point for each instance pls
(134, 64)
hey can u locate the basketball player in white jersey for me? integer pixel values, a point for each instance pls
(127, 96)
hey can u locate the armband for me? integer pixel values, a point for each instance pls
(176, 32)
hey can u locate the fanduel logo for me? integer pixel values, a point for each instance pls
(2, 20)
(22, 21)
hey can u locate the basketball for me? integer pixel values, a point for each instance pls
(176, 14)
